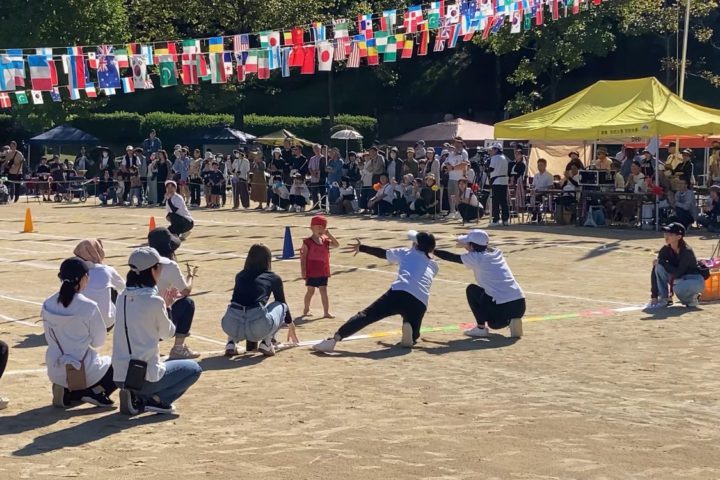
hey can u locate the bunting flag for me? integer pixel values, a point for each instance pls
(413, 17)
(7, 73)
(147, 52)
(5, 100)
(55, 95)
(318, 29)
(575, 7)
(47, 53)
(40, 76)
(92, 60)
(251, 62)
(527, 24)
(240, 70)
(341, 34)
(372, 52)
(168, 71)
(298, 36)
(424, 39)
(241, 43)
(128, 85)
(408, 46)
(555, 9)
(21, 97)
(76, 75)
(269, 39)
(361, 42)
(228, 62)
(202, 67)
(16, 56)
(297, 56)
(285, 61)
(539, 12)
(486, 8)
(36, 97)
(390, 55)
(189, 72)
(381, 41)
(74, 93)
(365, 26)
(139, 71)
(308, 66)
(287, 38)
(215, 45)
(325, 56)
(90, 90)
(354, 58)
(263, 59)
(453, 35)
(516, 21)
(388, 21)
(435, 15)
(121, 59)
(452, 14)
(274, 58)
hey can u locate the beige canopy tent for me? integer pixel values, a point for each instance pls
(472, 133)
(277, 139)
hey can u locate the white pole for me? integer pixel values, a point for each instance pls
(684, 49)
(657, 183)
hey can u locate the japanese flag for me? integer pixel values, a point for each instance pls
(325, 52)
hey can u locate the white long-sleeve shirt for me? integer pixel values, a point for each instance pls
(241, 166)
(101, 279)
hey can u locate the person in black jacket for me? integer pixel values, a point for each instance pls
(676, 264)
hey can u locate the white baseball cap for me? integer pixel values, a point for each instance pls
(498, 146)
(476, 236)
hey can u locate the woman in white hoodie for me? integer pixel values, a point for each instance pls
(74, 328)
(142, 321)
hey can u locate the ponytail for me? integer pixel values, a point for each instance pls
(67, 292)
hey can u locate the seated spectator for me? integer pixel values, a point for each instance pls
(648, 163)
(404, 196)
(714, 168)
(636, 180)
(347, 201)
(280, 195)
(541, 182)
(684, 207)
(299, 194)
(602, 162)
(4, 193)
(467, 202)
(427, 197)
(684, 170)
(106, 189)
(574, 160)
(382, 203)
(710, 218)
(566, 213)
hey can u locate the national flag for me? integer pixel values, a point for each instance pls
(121, 59)
(467, 14)
(298, 35)
(489, 22)
(475, 23)
(21, 97)
(274, 58)
(575, 7)
(308, 66)
(285, 61)
(40, 76)
(381, 41)
(287, 38)
(452, 14)
(74, 93)
(241, 43)
(365, 25)
(108, 74)
(555, 9)
(453, 35)
(354, 58)
(191, 46)
(391, 50)
(342, 39)
(167, 70)
(240, 69)
(76, 76)
(107, 91)
(5, 100)
(318, 29)
(133, 49)
(92, 60)
(435, 15)
(361, 42)
(407, 47)
(516, 21)
(424, 39)
(147, 52)
(498, 23)
(413, 16)
(128, 85)
(269, 39)
(228, 62)
(251, 62)
(372, 52)
(388, 21)
(189, 72)
(325, 56)
(217, 68)
(215, 45)
(597, 2)
(18, 60)
(486, 8)
(527, 24)
(539, 12)
(48, 53)
(172, 50)
(36, 97)
(202, 67)
(55, 94)
(90, 90)
(297, 56)
(139, 71)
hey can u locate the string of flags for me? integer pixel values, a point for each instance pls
(384, 36)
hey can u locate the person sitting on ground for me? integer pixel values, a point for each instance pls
(496, 300)
(299, 193)
(382, 203)
(250, 316)
(74, 328)
(181, 308)
(102, 279)
(106, 189)
(181, 222)
(685, 208)
(347, 200)
(408, 295)
(676, 264)
(467, 202)
(280, 195)
(427, 198)
(710, 218)
(142, 322)
(404, 196)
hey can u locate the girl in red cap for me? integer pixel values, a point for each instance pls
(315, 263)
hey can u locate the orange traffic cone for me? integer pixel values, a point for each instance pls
(151, 227)
(28, 227)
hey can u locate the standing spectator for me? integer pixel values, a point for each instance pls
(299, 162)
(351, 169)
(518, 168)
(334, 167)
(240, 169)
(499, 186)
(195, 178)
(714, 168)
(82, 162)
(43, 174)
(432, 164)
(127, 162)
(135, 187)
(457, 164)
(152, 144)
(258, 189)
(411, 165)
(181, 172)
(216, 181)
(287, 155)
(375, 164)
(162, 175)
(317, 168)
(277, 163)
(673, 159)
(420, 150)
(14, 161)
(366, 176)
(394, 165)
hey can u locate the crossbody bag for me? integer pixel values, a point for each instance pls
(137, 369)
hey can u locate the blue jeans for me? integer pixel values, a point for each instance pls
(179, 376)
(253, 324)
(686, 288)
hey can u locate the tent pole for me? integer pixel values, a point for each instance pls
(657, 183)
(707, 166)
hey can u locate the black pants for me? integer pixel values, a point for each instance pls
(298, 200)
(709, 222)
(500, 201)
(683, 216)
(487, 311)
(393, 302)
(160, 191)
(195, 189)
(383, 208)
(468, 212)
(15, 186)
(179, 224)
(106, 383)
(280, 202)
(181, 314)
(4, 354)
(126, 191)
(223, 194)
(241, 194)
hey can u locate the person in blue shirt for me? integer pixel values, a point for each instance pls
(152, 144)
(334, 167)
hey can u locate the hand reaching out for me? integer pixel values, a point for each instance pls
(354, 249)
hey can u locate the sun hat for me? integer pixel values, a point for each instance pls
(144, 258)
(164, 241)
(476, 236)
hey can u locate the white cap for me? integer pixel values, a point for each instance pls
(498, 146)
(276, 150)
(129, 147)
(476, 236)
(145, 257)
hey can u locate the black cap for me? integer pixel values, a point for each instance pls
(163, 241)
(74, 268)
(676, 228)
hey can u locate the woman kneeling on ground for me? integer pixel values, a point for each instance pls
(249, 316)
(74, 328)
(676, 264)
(496, 300)
(142, 322)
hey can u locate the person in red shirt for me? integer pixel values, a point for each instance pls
(315, 263)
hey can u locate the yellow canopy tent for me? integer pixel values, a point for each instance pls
(276, 139)
(608, 110)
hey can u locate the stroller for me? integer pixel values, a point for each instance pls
(75, 187)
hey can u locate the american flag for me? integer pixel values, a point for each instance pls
(241, 43)
(354, 60)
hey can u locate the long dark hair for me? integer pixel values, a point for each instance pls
(425, 242)
(143, 279)
(68, 289)
(259, 258)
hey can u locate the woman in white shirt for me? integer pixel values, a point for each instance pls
(102, 279)
(74, 328)
(142, 322)
(181, 222)
(467, 202)
(240, 169)
(408, 295)
(382, 203)
(496, 300)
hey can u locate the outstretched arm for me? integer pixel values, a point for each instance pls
(447, 256)
(374, 251)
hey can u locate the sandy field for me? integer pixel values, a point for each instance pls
(596, 389)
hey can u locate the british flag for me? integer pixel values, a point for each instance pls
(108, 74)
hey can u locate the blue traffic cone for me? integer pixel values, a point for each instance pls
(288, 250)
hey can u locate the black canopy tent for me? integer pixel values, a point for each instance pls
(63, 135)
(223, 136)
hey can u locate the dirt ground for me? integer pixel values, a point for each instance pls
(595, 390)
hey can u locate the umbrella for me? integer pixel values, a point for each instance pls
(277, 139)
(346, 135)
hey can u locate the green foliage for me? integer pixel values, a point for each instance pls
(116, 127)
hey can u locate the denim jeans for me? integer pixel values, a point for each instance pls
(686, 288)
(253, 324)
(179, 376)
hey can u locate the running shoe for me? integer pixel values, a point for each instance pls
(151, 405)
(266, 348)
(231, 349)
(326, 346)
(477, 332)
(182, 352)
(516, 328)
(98, 399)
(407, 335)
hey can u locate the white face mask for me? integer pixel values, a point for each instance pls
(105, 155)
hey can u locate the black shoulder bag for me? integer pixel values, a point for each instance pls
(137, 369)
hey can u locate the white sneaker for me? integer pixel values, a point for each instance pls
(655, 304)
(326, 346)
(182, 352)
(477, 332)
(407, 336)
(184, 236)
(695, 302)
(230, 349)
(267, 349)
(4, 401)
(494, 224)
(516, 328)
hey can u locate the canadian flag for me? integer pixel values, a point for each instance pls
(325, 52)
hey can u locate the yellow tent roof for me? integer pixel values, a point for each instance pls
(621, 109)
(277, 139)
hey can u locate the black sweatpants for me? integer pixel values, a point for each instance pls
(469, 213)
(393, 302)
(181, 315)
(179, 224)
(106, 383)
(195, 188)
(487, 311)
(4, 354)
(500, 201)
